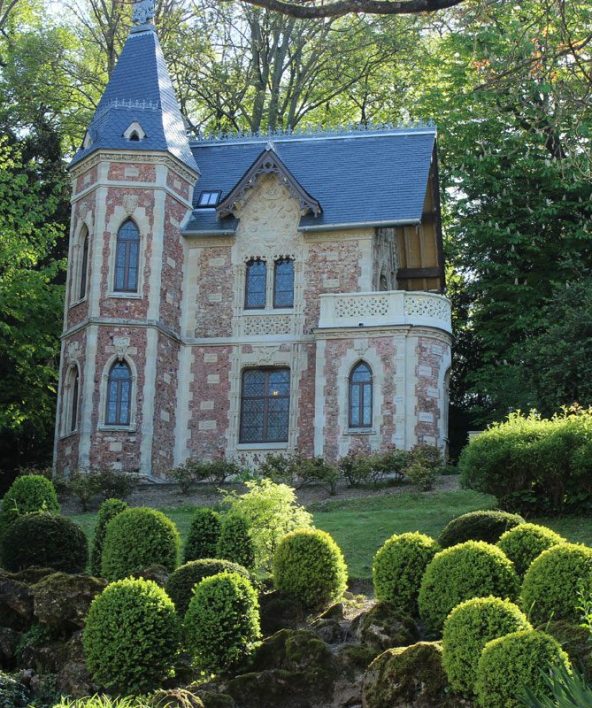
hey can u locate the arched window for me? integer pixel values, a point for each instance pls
(119, 394)
(127, 256)
(265, 405)
(255, 284)
(283, 283)
(360, 396)
(83, 264)
(71, 401)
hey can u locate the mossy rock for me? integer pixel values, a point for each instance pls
(9, 641)
(329, 630)
(576, 642)
(407, 676)
(16, 603)
(279, 612)
(28, 576)
(216, 700)
(61, 600)
(293, 650)
(354, 658)
(158, 573)
(384, 627)
(12, 692)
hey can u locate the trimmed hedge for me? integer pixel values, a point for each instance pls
(513, 662)
(46, 541)
(399, 566)
(235, 543)
(471, 569)
(310, 569)
(181, 583)
(222, 623)
(131, 636)
(485, 526)
(27, 494)
(526, 542)
(136, 539)
(203, 536)
(107, 511)
(551, 584)
(467, 630)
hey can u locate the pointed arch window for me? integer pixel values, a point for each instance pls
(83, 264)
(283, 283)
(74, 402)
(255, 284)
(119, 394)
(127, 257)
(360, 396)
(71, 401)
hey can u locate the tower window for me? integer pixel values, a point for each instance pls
(134, 132)
(135, 136)
(119, 394)
(255, 285)
(265, 405)
(283, 283)
(83, 265)
(360, 396)
(127, 256)
(209, 199)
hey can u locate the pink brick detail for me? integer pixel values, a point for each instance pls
(67, 448)
(179, 185)
(428, 431)
(165, 403)
(171, 290)
(86, 179)
(306, 403)
(142, 173)
(334, 352)
(214, 318)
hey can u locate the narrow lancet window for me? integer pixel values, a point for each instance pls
(283, 283)
(127, 258)
(360, 396)
(255, 285)
(119, 394)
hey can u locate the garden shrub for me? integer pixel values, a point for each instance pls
(471, 569)
(44, 540)
(485, 526)
(184, 476)
(513, 662)
(27, 494)
(271, 511)
(222, 624)
(428, 456)
(525, 542)
(309, 568)
(107, 511)
(551, 584)
(13, 694)
(136, 539)
(356, 468)
(399, 566)
(467, 630)
(131, 636)
(389, 461)
(533, 464)
(204, 533)
(181, 583)
(315, 470)
(566, 689)
(421, 475)
(235, 543)
(117, 484)
(576, 642)
(84, 486)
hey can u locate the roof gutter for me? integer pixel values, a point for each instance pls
(360, 224)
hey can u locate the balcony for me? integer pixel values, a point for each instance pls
(380, 309)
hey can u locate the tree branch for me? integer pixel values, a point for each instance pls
(345, 7)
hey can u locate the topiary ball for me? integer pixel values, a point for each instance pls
(203, 536)
(510, 663)
(27, 494)
(309, 568)
(471, 569)
(46, 541)
(180, 584)
(131, 636)
(107, 511)
(235, 543)
(467, 630)
(222, 623)
(551, 584)
(399, 566)
(485, 526)
(136, 539)
(525, 542)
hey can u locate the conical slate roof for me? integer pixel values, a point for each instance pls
(139, 90)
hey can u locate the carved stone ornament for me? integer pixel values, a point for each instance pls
(121, 345)
(73, 351)
(130, 203)
(361, 346)
(143, 12)
(264, 354)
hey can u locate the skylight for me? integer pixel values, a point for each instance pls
(209, 199)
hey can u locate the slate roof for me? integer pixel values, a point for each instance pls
(140, 89)
(371, 177)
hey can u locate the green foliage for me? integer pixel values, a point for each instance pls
(222, 622)
(356, 468)
(534, 464)
(309, 568)
(468, 628)
(471, 569)
(28, 493)
(12, 693)
(136, 539)
(184, 476)
(551, 583)
(421, 475)
(398, 568)
(107, 511)
(131, 636)
(193, 471)
(181, 583)
(485, 526)
(510, 663)
(271, 511)
(235, 543)
(117, 484)
(203, 536)
(84, 485)
(525, 542)
(44, 540)
(565, 688)
(299, 471)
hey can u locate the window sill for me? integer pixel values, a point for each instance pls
(263, 446)
(77, 302)
(268, 311)
(125, 296)
(117, 428)
(360, 431)
(65, 436)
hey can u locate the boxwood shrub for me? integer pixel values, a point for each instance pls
(44, 540)
(524, 543)
(310, 569)
(131, 636)
(222, 623)
(235, 543)
(513, 662)
(485, 526)
(28, 493)
(203, 535)
(399, 566)
(551, 584)
(467, 630)
(107, 511)
(181, 583)
(471, 569)
(136, 539)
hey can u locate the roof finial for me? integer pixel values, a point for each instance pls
(143, 12)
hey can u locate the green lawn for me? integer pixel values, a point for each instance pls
(360, 526)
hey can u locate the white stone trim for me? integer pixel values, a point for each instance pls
(150, 364)
(75, 262)
(319, 398)
(88, 397)
(94, 295)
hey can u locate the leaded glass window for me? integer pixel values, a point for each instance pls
(265, 405)
(255, 285)
(119, 394)
(127, 257)
(83, 265)
(283, 283)
(360, 396)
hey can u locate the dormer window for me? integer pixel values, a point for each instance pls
(87, 142)
(134, 133)
(208, 200)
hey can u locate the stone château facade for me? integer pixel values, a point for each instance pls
(244, 295)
